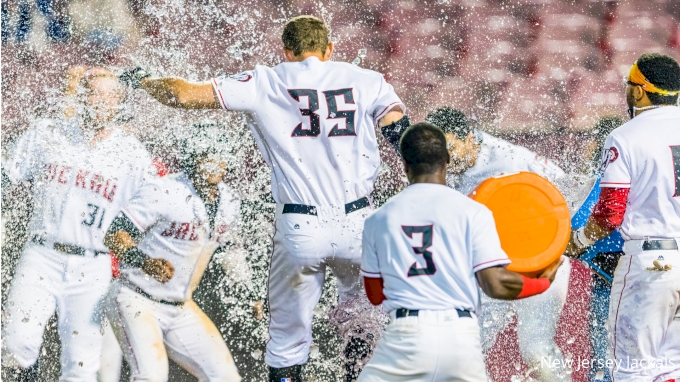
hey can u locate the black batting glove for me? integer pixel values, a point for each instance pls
(133, 78)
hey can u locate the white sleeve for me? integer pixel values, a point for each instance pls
(615, 166)
(145, 207)
(370, 266)
(25, 161)
(238, 91)
(386, 100)
(546, 168)
(486, 245)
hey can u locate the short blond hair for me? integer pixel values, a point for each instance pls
(305, 34)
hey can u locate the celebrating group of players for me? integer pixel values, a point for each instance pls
(424, 255)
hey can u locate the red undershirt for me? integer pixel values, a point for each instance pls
(610, 207)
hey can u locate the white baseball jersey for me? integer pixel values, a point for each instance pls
(427, 243)
(314, 123)
(78, 187)
(497, 156)
(177, 228)
(644, 155)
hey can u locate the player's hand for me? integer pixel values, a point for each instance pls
(133, 78)
(550, 272)
(160, 269)
(573, 250)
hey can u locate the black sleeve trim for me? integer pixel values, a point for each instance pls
(134, 257)
(394, 130)
(123, 223)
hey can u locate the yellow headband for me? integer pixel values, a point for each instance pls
(638, 78)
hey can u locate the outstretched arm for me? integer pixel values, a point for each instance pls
(174, 92)
(180, 93)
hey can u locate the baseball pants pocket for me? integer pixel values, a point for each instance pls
(644, 334)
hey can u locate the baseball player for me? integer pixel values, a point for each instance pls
(165, 238)
(640, 187)
(314, 121)
(424, 253)
(477, 156)
(83, 170)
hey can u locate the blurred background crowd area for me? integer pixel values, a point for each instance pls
(525, 67)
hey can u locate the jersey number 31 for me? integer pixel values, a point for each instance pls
(333, 112)
(426, 231)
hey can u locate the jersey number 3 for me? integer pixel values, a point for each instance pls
(430, 268)
(333, 112)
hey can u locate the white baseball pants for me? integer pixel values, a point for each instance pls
(436, 345)
(304, 245)
(46, 280)
(644, 316)
(111, 357)
(150, 331)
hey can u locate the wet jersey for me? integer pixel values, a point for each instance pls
(644, 155)
(177, 228)
(78, 188)
(426, 243)
(496, 157)
(314, 123)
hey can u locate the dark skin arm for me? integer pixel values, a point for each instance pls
(120, 241)
(593, 231)
(502, 284)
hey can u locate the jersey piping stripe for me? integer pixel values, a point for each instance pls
(379, 115)
(614, 182)
(132, 218)
(616, 318)
(490, 262)
(368, 274)
(224, 105)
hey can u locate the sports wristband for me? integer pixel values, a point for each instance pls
(134, 257)
(532, 287)
(581, 240)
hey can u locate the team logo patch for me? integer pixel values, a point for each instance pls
(610, 155)
(241, 77)
(297, 226)
(660, 258)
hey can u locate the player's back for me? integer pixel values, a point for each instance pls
(498, 156)
(644, 154)
(429, 241)
(314, 122)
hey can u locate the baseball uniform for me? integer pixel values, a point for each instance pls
(78, 188)
(426, 244)
(153, 320)
(644, 312)
(497, 156)
(314, 123)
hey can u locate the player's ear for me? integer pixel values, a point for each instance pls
(638, 94)
(329, 51)
(289, 55)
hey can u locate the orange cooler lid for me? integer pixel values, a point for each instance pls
(532, 219)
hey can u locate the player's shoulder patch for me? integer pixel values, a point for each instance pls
(609, 155)
(242, 77)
